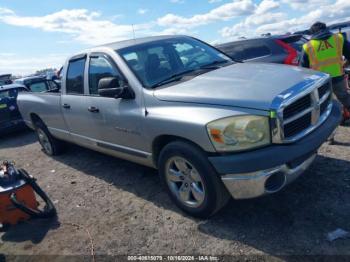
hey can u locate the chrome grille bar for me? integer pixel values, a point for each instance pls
(312, 87)
(295, 117)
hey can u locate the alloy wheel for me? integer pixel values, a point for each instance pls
(44, 141)
(185, 182)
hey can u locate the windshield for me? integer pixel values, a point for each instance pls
(156, 62)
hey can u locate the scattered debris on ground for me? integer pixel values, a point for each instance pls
(126, 211)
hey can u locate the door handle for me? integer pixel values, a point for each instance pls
(93, 109)
(66, 106)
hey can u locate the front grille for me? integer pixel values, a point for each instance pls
(324, 105)
(298, 106)
(298, 125)
(303, 114)
(322, 90)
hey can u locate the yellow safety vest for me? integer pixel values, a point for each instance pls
(326, 55)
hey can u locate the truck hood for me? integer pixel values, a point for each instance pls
(248, 85)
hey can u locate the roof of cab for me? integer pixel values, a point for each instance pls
(137, 41)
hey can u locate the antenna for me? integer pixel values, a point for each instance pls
(133, 30)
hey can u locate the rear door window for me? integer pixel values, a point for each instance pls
(75, 76)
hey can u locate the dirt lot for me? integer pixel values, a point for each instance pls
(126, 211)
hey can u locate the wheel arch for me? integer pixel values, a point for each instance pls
(161, 141)
(35, 118)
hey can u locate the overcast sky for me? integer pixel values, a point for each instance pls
(38, 34)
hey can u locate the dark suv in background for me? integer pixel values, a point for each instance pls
(284, 49)
(10, 118)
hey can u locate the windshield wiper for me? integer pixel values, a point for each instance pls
(174, 77)
(215, 64)
(197, 71)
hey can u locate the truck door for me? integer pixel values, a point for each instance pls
(75, 104)
(120, 129)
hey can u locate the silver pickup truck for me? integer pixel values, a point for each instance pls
(213, 127)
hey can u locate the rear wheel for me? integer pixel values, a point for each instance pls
(51, 146)
(190, 180)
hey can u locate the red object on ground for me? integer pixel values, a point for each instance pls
(9, 214)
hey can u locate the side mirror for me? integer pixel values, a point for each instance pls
(111, 87)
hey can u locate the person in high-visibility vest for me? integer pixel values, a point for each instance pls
(325, 52)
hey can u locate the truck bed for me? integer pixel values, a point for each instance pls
(47, 106)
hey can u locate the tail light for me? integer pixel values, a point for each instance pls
(292, 58)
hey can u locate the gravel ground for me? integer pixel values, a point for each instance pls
(125, 210)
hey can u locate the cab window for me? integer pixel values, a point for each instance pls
(99, 68)
(75, 76)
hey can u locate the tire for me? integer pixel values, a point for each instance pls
(50, 145)
(198, 190)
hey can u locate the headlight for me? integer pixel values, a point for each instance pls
(239, 133)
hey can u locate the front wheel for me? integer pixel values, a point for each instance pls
(190, 180)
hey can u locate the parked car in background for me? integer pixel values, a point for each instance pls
(209, 125)
(285, 49)
(10, 118)
(5, 79)
(38, 84)
(339, 26)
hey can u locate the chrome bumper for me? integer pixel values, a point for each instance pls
(259, 183)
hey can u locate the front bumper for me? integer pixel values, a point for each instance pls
(268, 170)
(255, 184)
